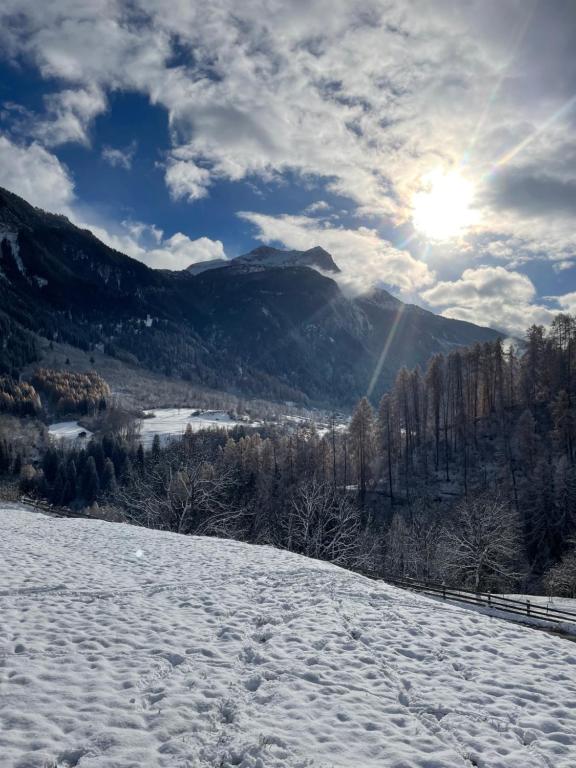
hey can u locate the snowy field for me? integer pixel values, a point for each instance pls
(172, 422)
(123, 647)
(69, 431)
(558, 603)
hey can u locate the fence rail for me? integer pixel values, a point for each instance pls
(488, 600)
(53, 510)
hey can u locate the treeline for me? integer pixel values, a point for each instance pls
(18, 397)
(464, 473)
(70, 392)
(478, 421)
(78, 477)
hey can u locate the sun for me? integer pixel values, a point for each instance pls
(442, 207)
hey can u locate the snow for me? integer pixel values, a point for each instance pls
(558, 603)
(124, 647)
(68, 430)
(172, 422)
(11, 238)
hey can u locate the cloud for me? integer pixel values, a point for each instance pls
(565, 302)
(534, 193)
(178, 252)
(36, 175)
(148, 244)
(365, 98)
(491, 296)
(118, 157)
(362, 255)
(186, 180)
(320, 206)
(69, 114)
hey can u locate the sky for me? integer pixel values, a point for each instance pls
(429, 145)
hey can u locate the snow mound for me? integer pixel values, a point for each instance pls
(128, 647)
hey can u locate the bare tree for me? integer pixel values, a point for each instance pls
(482, 543)
(322, 523)
(412, 543)
(560, 580)
(185, 494)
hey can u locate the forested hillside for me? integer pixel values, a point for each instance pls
(463, 473)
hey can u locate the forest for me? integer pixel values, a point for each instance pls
(70, 392)
(462, 474)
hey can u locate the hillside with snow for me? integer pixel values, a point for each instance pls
(128, 647)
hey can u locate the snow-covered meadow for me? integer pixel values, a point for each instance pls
(69, 431)
(172, 422)
(123, 646)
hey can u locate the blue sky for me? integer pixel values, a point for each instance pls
(429, 145)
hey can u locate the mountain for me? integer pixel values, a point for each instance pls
(270, 323)
(265, 256)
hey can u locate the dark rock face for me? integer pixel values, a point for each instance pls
(271, 323)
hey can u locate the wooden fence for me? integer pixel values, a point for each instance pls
(50, 508)
(488, 600)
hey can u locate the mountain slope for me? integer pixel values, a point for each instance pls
(124, 646)
(271, 323)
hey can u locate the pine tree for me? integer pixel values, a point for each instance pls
(50, 464)
(156, 449)
(108, 484)
(89, 483)
(140, 459)
(4, 457)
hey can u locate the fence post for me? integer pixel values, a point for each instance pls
(489, 598)
(527, 607)
(444, 591)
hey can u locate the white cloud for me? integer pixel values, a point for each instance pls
(36, 175)
(366, 97)
(178, 252)
(362, 255)
(148, 244)
(566, 302)
(118, 157)
(491, 296)
(69, 115)
(186, 180)
(320, 206)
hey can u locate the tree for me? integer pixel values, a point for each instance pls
(564, 422)
(526, 439)
(50, 464)
(183, 493)
(361, 436)
(482, 545)
(385, 437)
(560, 579)
(434, 384)
(108, 485)
(322, 523)
(156, 449)
(89, 483)
(4, 457)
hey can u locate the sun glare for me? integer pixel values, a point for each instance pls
(442, 208)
